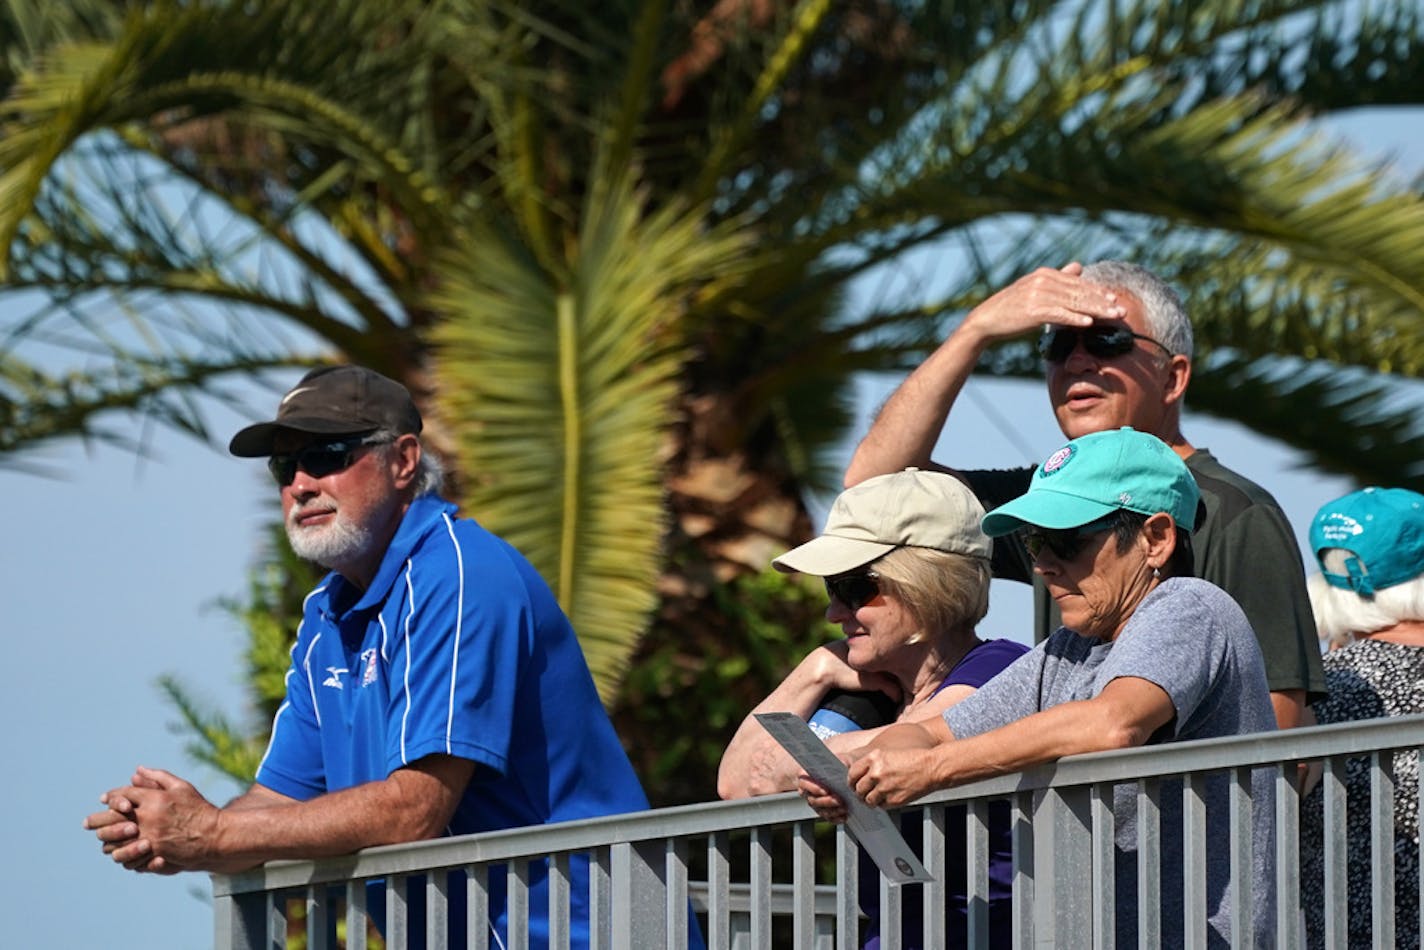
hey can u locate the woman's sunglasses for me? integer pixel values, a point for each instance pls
(1100, 340)
(318, 461)
(1065, 543)
(854, 590)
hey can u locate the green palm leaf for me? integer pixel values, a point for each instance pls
(621, 252)
(559, 388)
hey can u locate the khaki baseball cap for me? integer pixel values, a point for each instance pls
(912, 508)
(334, 400)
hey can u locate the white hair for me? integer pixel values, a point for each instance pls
(1341, 614)
(429, 471)
(1161, 307)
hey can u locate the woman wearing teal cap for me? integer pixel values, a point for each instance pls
(1146, 653)
(1369, 600)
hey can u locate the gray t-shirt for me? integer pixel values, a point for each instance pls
(1191, 639)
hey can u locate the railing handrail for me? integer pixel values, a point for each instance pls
(1356, 738)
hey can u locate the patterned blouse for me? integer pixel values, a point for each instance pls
(1369, 679)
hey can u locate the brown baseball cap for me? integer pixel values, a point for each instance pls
(334, 400)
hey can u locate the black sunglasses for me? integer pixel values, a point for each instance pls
(854, 590)
(1065, 543)
(320, 460)
(1100, 340)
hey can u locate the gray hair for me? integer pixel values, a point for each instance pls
(1161, 306)
(1340, 614)
(429, 471)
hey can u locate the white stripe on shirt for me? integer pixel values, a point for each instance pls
(410, 611)
(287, 678)
(311, 683)
(459, 621)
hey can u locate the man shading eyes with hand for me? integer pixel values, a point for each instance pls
(1117, 350)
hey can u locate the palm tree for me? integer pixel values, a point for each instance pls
(610, 247)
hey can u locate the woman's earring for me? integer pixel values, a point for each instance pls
(1156, 573)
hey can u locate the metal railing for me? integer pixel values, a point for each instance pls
(748, 869)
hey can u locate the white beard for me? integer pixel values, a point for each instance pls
(331, 545)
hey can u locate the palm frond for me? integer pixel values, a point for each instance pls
(1350, 423)
(214, 739)
(559, 391)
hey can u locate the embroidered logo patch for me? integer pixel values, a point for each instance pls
(368, 666)
(333, 678)
(1339, 528)
(1057, 460)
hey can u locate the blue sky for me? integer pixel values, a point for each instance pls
(111, 572)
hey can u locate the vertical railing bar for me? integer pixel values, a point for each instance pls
(847, 887)
(976, 871)
(936, 861)
(1149, 863)
(1104, 846)
(1287, 855)
(244, 922)
(276, 937)
(675, 869)
(560, 898)
(356, 915)
(1418, 825)
(760, 854)
(318, 905)
(228, 930)
(516, 915)
(477, 907)
(1243, 884)
(1021, 841)
(437, 910)
(803, 884)
(1337, 854)
(397, 921)
(892, 914)
(1382, 847)
(600, 899)
(1194, 861)
(719, 886)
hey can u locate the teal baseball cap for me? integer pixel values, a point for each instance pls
(1382, 528)
(1096, 475)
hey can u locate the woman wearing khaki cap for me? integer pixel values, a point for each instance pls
(906, 567)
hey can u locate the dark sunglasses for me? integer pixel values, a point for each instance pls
(1065, 543)
(1101, 341)
(854, 590)
(320, 460)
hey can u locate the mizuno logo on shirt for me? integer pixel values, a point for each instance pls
(334, 679)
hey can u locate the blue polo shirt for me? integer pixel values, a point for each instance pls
(459, 648)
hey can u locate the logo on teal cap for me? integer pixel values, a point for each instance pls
(1383, 531)
(1110, 471)
(1058, 459)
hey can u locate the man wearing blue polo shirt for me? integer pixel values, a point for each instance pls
(435, 688)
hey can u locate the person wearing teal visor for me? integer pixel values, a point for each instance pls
(1146, 654)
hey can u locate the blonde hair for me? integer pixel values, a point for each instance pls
(1340, 614)
(944, 592)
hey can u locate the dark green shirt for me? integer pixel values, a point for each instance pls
(1242, 543)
